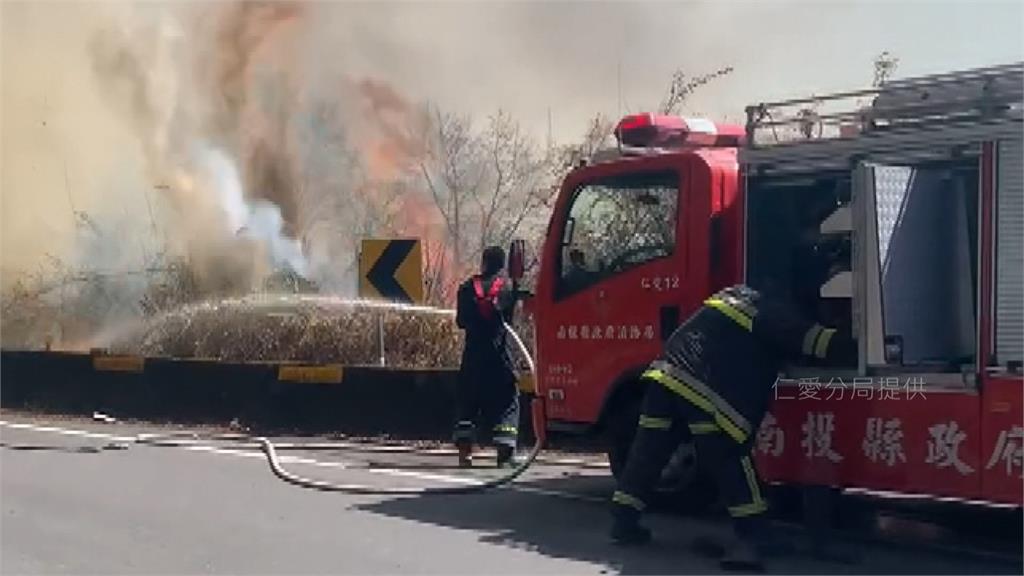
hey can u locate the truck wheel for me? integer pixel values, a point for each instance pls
(681, 487)
(678, 473)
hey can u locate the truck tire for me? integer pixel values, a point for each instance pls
(683, 488)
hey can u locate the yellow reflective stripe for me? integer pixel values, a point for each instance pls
(736, 425)
(757, 503)
(747, 509)
(706, 427)
(655, 423)
(509, 429)
(730, 428)
(748, 471)
(737, 316)
(683, 378)
(620, 497)
(821, 349)
(810, 337)
(681, 389)
(737, 303)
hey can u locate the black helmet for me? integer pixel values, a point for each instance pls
(493, 260)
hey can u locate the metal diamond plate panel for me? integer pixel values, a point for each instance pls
(891, 185)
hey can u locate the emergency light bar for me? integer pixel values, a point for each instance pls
(660, 131)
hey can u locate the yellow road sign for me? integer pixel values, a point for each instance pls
(118, 363)
(391, 270)
(326, 374)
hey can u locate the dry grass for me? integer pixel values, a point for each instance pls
(258, 328)
(303, 329)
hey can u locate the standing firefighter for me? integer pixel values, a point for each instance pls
(487, 392)
(712, 385)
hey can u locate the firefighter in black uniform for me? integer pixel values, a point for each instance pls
(487, 394)
(713, 384)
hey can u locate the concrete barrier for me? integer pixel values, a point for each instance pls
(300, 398)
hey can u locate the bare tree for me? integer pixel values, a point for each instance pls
(516, 182)
(598, 131)
(438, 285)
(682, 86)
(885, 65)
(451, 171)
(488, 186)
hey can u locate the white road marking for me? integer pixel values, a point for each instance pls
(196, 448)
(66, 432)
(297, 460)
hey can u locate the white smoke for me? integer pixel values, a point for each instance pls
(191, 135)
(259, 220)
(226, 185)
(265, 226)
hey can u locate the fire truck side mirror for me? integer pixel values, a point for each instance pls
(517, 259)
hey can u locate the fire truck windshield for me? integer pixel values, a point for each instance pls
(616, 224)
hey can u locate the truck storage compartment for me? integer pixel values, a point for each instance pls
(896, 245)
(799, 243)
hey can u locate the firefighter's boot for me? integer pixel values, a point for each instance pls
(742, 556)
(630, 534)
(465, 455)
(708, 546)
(626, 528)
(765, 539)
(506, 456)
(830, 552)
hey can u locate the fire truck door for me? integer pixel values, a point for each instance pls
(620, 271)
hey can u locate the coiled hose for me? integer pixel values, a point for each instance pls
(268, 449)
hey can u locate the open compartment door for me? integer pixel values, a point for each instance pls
(914, 301)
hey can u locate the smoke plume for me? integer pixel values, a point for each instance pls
(161, 151)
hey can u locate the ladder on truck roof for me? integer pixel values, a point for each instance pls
(903, 120)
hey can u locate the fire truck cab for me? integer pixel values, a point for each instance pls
(916, 191)
(635, 244)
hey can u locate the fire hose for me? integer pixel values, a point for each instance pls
(271, 451)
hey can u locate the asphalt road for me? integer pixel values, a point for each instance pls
(150, 510)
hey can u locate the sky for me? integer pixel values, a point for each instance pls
(64, 148)
(568, 57)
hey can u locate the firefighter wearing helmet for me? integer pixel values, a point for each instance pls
(487, 395)
(712, 386)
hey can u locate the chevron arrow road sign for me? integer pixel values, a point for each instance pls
(391, 270)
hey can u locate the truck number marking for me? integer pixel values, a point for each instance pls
(660, 283)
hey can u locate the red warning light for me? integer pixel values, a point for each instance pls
(662, 131)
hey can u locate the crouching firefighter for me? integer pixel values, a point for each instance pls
(712, 386)
(487, 392)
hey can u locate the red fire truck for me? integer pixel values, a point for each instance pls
(916, 186)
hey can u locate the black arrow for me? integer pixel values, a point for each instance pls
(382, 273)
